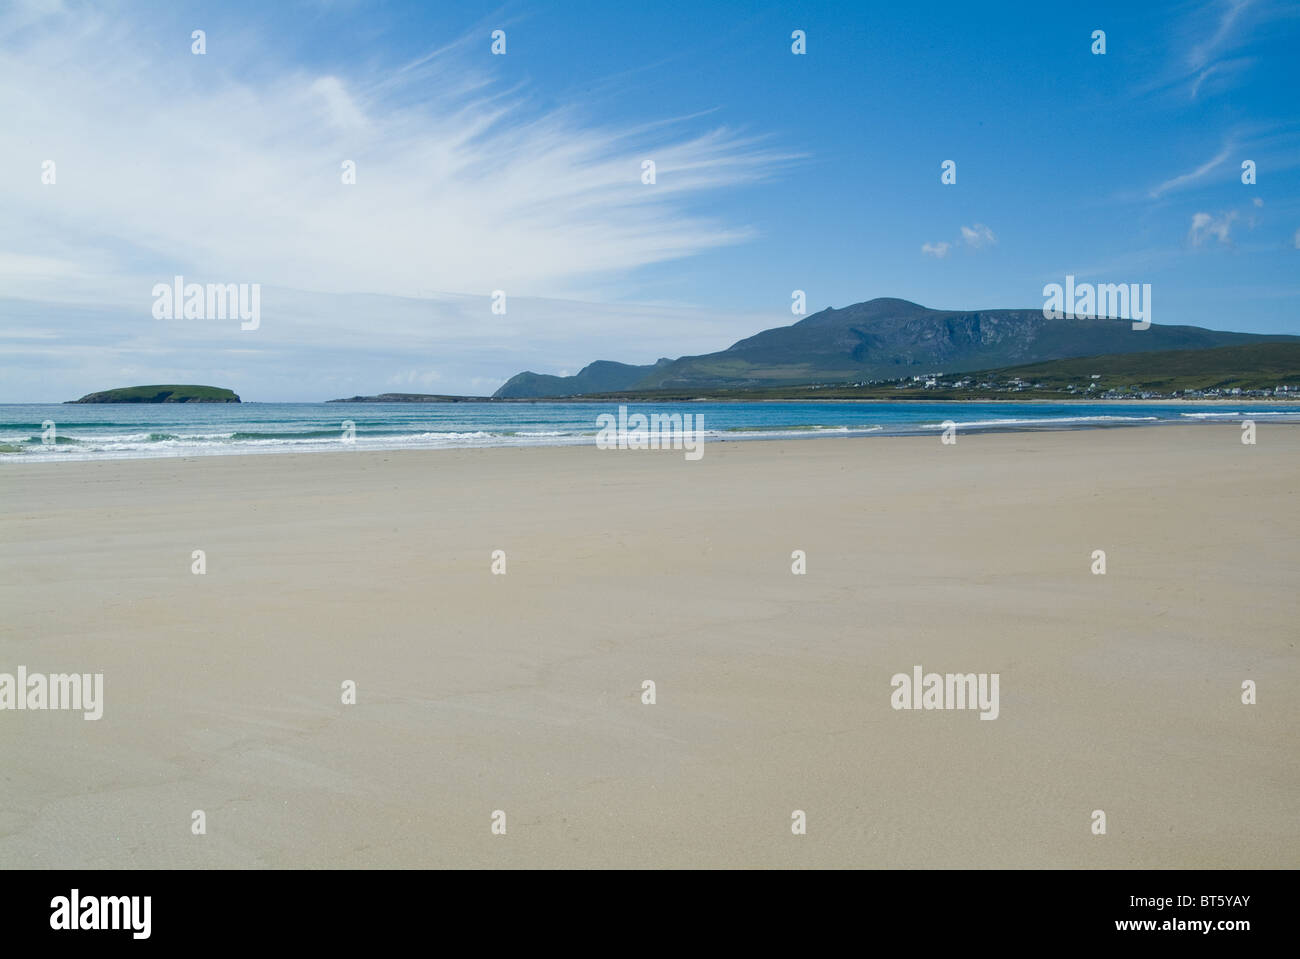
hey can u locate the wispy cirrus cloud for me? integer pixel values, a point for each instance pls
(231, 169)
(1210, 47)
(1219, 73)
(1229, 20)
(1192, 177)
(1229, 17)
(226, 168)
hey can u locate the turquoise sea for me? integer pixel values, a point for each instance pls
(146, 430)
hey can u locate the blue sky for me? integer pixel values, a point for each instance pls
(521, 172)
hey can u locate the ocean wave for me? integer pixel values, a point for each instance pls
(133, 445)
(59, 439)
(201, 432)
(793, 429)
(1040, 421)
(1248, 414)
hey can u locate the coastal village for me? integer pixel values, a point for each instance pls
(1095, 388)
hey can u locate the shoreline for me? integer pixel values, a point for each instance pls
(733, 436)
(488, 401)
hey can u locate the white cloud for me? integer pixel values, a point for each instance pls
(341, 110)
(1220, 74)
(1200, 173)
(414, 378)
(317, 346)
(226, 168)
(1204, 52)
(229, 168)
(1205, 226)
(978, 236)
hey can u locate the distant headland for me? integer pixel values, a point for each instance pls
(413, 398)
(161, 394)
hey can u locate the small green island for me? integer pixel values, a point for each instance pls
(161, 394)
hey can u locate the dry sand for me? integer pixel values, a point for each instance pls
(522, 692)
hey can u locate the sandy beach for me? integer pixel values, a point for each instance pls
(522, 692)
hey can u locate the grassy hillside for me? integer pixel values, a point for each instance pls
(1253, 367)
(1256, 366)
(161, 394)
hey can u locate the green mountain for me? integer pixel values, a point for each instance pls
(1255, 369)
(161, 394)
(887, 339)
(603, 376)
